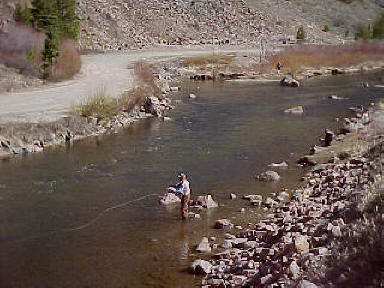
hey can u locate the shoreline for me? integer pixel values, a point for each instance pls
(311, 236)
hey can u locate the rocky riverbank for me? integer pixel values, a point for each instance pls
(324, 234)
(25, 138)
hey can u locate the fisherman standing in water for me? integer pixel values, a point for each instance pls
(182, 187)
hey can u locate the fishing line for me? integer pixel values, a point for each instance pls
(89, 223)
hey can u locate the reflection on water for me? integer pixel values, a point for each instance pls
(230, 133)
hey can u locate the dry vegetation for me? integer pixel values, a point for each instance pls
(296, 58)
(68, 63)
(207, 60)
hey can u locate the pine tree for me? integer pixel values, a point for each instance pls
(69, 24)
(378, 28)
(23, 14)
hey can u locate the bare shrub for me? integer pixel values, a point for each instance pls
(130, 99)
(20, 48)
(296, 58)
(68, 63)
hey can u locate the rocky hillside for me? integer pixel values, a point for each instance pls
(341, 16)
(118, 24)
(134, 24)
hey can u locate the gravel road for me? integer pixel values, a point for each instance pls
(111, 70)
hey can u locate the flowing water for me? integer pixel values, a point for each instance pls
(55, 231)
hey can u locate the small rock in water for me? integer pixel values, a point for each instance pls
(298, 110)
(192, 96)
(169, 199)
(281, 164)
(201, 267)
(232, 196)
(269, 176)
(288, 81)
(242, 210)
(204, 246)
(206, 201)
(223, 224)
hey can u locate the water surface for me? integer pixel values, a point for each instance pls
(225, 137)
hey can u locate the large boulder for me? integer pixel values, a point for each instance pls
(269, 176)
(169, 199)
(201, 267)
(289, 81)
(206, 201)
(298, 110)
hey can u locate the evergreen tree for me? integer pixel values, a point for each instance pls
(23, 14)
(363, 33)
(378, 28)
(69, 24)
(300, 33)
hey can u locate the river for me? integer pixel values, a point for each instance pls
(53, 235)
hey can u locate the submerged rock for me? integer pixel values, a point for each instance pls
(204, 246)
(281, 164)
(223, 224)
(169, 199)
(269, 176)
(289, 81)
(298, 110)
(206, 201)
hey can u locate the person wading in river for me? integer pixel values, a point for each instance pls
(182, 188)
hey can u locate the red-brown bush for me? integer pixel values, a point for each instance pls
(20, 47)
(68, 63)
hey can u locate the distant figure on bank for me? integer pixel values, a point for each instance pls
(278, 67)
(182, 187)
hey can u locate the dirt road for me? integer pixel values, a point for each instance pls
(112, 71)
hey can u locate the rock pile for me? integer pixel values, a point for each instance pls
(304, 232)
(120, 25)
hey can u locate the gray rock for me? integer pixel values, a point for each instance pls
(169, 199)
(294, 270)
(298, 110)
(206, 201)
(301, 244)
(223, 224)
(289, 81)
(269, 176)
(227, 244)
(201, 267)
(204, 246)
(306, 284)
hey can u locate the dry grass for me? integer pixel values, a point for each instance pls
(294, 59)
(99, 105)
(201, 61)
